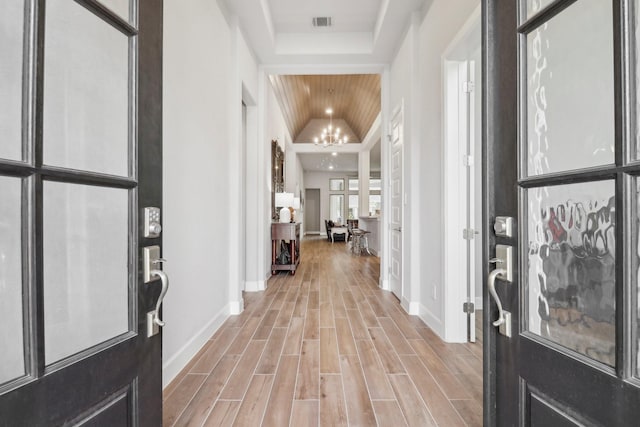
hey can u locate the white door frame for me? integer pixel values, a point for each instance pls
(458, 112)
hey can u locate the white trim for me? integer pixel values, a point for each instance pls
(383, 283)
(172, 367)
(411, 307)
(236, 307)
(431, 321)
(255, 285)
(478, 302)
(455, 72)
(455, 203)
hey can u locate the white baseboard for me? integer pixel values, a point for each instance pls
(384, 284)
(479, 303)
(411, 307)
(431, 321)
(236, 307)
(255, 285)
(172, 367)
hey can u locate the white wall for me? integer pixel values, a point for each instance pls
(271, 127)
(294, 181)
(196, 151)
(416, 80)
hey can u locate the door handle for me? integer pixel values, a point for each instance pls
(151, 272)
(498, 272)
(504, 317)
(399, 229)
(164, 279)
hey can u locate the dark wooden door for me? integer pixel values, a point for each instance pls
(80, 156)
(561, 157)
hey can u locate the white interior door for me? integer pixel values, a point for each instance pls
(396, 200)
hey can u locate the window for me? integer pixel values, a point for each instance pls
(336, 184)
(375, 204)
(336, 208)
(354, 201)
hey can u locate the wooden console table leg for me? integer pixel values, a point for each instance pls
(273, 255)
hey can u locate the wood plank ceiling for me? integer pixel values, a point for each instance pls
(355, 98)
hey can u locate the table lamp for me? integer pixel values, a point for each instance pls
(284, 200)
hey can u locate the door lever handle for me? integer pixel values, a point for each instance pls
(165, 287)
(492, 290)
(504, 317)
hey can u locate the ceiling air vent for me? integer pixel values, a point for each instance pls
(322, 21)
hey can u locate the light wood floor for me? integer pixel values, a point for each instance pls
(327, 347)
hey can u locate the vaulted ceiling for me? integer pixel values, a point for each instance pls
(303, 99)
(282, 35)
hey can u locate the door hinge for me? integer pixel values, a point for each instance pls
(468, 307)
(469, 234)
(467, 87)
(467, 160)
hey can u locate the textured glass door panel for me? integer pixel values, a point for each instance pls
(11, 36)
(11, 327)
(635, 33)
(571, 267)
(121, 7)
(86, 95)
(535, 6)
(570, 97)
(86, 299)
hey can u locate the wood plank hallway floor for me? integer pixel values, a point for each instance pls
(327, 347)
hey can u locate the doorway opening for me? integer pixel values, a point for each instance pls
(312, 211)
(461, 66)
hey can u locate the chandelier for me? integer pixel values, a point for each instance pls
(330, 136)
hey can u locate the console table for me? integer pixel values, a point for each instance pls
(290, 232)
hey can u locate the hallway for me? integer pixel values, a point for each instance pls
(313, 339)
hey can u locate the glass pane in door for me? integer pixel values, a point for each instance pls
(11, 326)
(121, 7)
(635, 42)
(535, 6)
(86, 267)
(570, 93)
(11, 45)
(571, 267)
(86, 91)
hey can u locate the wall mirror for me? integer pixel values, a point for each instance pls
(277, 174)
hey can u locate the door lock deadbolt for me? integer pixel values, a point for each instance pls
(152, 227)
